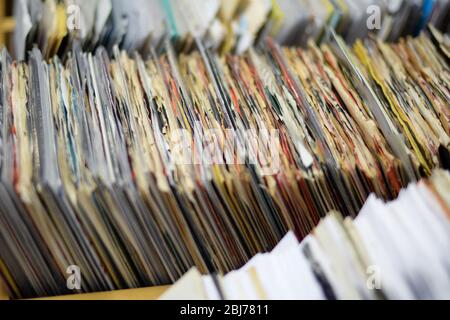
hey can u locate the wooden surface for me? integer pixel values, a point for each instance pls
(152, 293)
(7, 23)
(3, 295)
(132, 294)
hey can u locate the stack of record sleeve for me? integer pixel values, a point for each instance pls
(136, 170)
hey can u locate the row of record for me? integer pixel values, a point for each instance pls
(226, 25)
(395, 250)
(136, 169)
